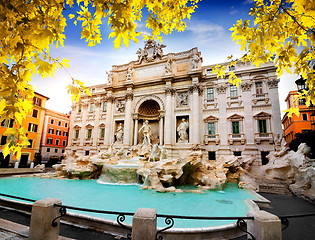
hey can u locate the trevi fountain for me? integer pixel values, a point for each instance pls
(148, 164)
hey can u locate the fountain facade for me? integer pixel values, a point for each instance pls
(184, 104)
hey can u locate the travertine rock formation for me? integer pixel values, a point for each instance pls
(295, 168)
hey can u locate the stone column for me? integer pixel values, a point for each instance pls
(248, 124)
(274, 98)
(135, 136)
(128, 119)
(108, 123)
(144, 224)
(161, 130)
(265, 226)
(43, 213)
(194, 122)
(96, 129)
(223, 125)
(82, 134)
(169, 91)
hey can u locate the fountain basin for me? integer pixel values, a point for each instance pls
(128, 198)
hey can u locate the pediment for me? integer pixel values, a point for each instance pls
(262, 115)
(89, 126)
(235, 116)
(211, 118)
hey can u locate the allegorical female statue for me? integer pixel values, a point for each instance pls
(182, 131)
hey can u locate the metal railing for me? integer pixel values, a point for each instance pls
(120, 218)
(169, 220)
(285, 219)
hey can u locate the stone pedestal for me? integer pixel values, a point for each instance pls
(265, 226)
(144, 224)
(43, 213)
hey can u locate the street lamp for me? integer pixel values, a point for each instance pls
(301, 84)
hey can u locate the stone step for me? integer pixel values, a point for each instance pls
(274, 188)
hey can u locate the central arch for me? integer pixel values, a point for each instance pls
(149, 108)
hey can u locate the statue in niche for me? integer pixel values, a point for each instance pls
(119, 133)
(182, 131)
(195, 60)
(182, 99)
(120, 106)
(146, 132)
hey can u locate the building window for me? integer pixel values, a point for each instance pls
(66, 124)
(76, 133)
(89, 133)
(304, 116)
(79, 108)
(264, 159)
(56, 150)
(236, 127)
(52, 121)
(237, 153)
(31, 143)
(233, 91)
(63, 151)
(59, 123)
(32, 127)
(92, 105)
(259, 88)
(211, 155)
(49, 141)
(211, 128)
(3, 140)
(7, 123)
(104, 106)
(102, 133)
(87, 153)
(64, 142)
(65, 133)
(48, 149)
(210, 93)
(51, 131)
(37, 101)
(262, 126)
(302, 102)
(231, 68)
(35, 113)
(58, 132)
(209, 71)
(57, 141)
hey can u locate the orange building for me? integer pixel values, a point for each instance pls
(33, 124)
(55, 136)
(297, 124)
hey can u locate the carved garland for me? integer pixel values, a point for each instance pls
(246, 86)
(273, 83)
(221, 89)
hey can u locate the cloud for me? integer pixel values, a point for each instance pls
(233, 10)
(205, 32)
(248, 2)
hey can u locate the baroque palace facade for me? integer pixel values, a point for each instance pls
(185, 104)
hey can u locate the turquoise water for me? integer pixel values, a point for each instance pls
(128, 198)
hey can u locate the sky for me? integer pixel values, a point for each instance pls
(208, 30)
